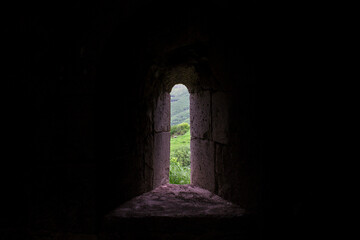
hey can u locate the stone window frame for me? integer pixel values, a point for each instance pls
(208, 110)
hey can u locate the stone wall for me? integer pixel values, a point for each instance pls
(161, 161)
(209, 127)
(220, 133)
(84, 83)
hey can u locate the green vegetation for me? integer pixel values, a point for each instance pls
(180, 158)
(180, 136)
(178, 174)
(180, 129)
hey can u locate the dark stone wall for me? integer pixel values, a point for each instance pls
(225, 140)
(81, 84)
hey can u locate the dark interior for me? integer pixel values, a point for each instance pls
(84, 79)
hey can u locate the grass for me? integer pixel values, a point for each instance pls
(180, 159)
(180, 140)
(178, 174)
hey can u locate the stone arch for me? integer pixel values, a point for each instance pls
(180, 74)
(207, 105)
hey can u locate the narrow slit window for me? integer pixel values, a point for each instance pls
(180, 167)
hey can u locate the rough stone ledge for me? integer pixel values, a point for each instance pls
(177, 201)
(161, 131)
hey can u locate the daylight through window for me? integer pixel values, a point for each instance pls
(180, 171)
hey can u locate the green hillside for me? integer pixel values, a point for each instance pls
(180, 136)
(180, 158)
(180, 105)
(181, 141)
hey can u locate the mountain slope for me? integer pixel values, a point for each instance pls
(180, 105)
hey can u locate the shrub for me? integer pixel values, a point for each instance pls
(182, 155)
(179, 129)
(178, 174)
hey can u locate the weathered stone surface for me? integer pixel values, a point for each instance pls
(177, 212)
(162, 113)
(200, 116)
(161, 158)
(186, 75)
(202, 164)
(221, 155)
(177, 201)
(220, 117)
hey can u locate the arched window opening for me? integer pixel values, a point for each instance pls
(180, 167)
(207, 134)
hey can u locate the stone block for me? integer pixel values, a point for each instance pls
(200, 116)
(161, 162)
(162, 113)
(220, 117)
(222, 157)
(202, 164)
